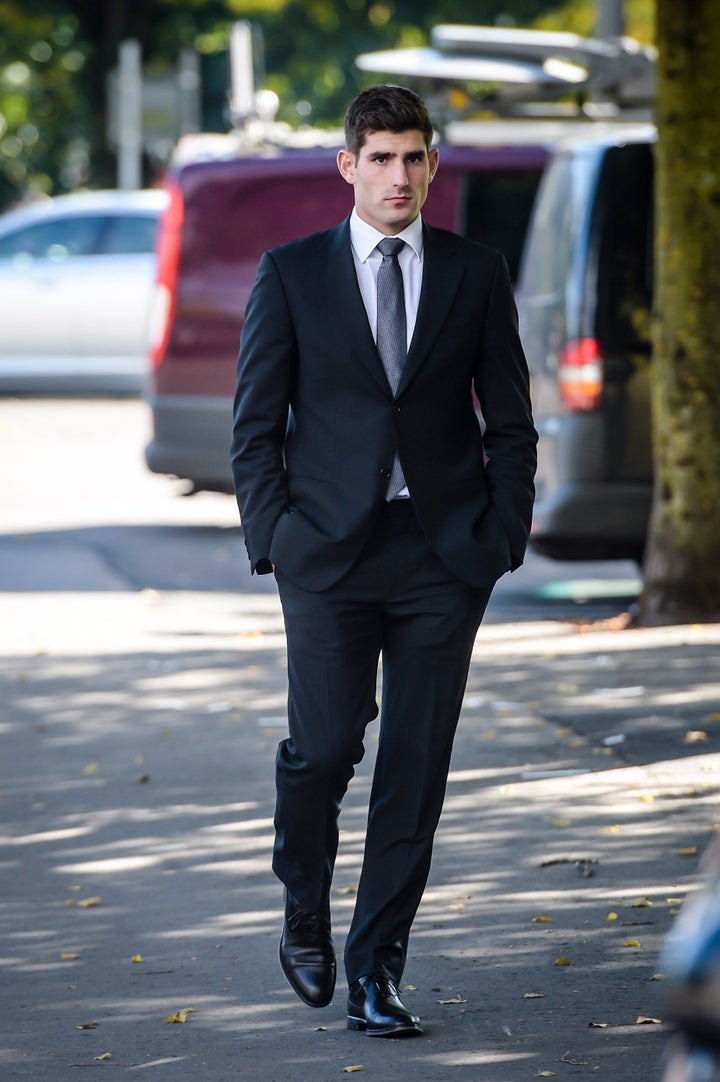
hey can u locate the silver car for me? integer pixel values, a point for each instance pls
(76, 281)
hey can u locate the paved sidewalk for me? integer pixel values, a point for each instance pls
(138, 735)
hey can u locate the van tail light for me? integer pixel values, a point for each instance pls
(580, 374)
(166, 276)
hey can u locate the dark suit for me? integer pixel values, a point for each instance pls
(359, 577)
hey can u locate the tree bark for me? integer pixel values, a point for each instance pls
(682, 565)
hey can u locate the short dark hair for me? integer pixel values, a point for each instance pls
(385, 108)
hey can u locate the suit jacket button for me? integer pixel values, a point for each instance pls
(396, 407)
(385, 474)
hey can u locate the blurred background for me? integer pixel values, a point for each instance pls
(61, 93)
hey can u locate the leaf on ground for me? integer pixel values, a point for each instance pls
(612, 915)
(142, 779)
(70, 956)
(447, 1002)
(597, 1025)
(545, 1074)
(639, 903)
(659, 977)
(632, 942)
(90, 768)
(353, 1068)
(614, 829)
(105, 1055)
(456, 906)
(542, 919)
(321, 1029)
(409, 988)
(647, 798)
(180, 1016)
(533, 995)
(688, 851)
(695, 736)
(137, 958)
(88, 903)
(564, 962)
(713, 717)
(561, 822)
(87, 1025)
(641, 1020)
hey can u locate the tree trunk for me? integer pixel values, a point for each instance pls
(682, 566)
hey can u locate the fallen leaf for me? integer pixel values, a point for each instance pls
(455, 999)
(180, 1016)
(410, 987)
(88, 903)
(456, 906)
(105, 1055)
(564, 962)
(597, 1025)
(90, 768)
(713, 717)
(639, 903)
(142, 779)
(545, 1074)
(534, 995)
(612, 916)
(659, 977)
(87, 1025)
(321, 1029)
(542, 919)
(355, 1067)
(561, 822)
(136, 958)
(632, 943)
(689, 851)
(70, 956)
(614, 829)
(695, 736)
(647, 798)
(641, 1020)
(674, 901)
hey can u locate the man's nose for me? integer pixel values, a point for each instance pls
(400, 174)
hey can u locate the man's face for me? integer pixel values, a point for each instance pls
(390, 175)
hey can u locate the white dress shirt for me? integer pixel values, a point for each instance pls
(364, 240)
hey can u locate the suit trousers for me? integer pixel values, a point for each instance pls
(401, 603)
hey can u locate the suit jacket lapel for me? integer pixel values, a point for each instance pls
(345, 300)
(441, 280)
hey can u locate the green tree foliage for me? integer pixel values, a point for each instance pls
(55, 56)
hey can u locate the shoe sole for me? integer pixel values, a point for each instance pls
(399, 1030)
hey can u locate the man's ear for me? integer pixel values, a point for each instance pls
(434, 158)
(346, 165)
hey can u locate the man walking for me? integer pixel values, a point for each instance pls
(365, 483)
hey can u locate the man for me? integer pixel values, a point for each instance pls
(364, 482)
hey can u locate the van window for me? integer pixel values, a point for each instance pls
(623, 223)
(496, 207)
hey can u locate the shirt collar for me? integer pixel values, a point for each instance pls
(365, 238)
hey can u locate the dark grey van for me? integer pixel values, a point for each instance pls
(584, 295)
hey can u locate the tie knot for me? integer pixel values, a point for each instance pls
(390, 247)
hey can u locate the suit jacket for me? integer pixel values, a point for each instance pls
(316, 424)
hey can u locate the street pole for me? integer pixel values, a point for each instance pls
(609, 18)
(129, 113)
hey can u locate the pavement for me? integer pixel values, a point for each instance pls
(142, 695)
(138, 735)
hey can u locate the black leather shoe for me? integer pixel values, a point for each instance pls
(307, 955)
(374, 1006)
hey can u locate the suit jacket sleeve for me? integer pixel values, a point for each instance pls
(260, 415)
(502, 387)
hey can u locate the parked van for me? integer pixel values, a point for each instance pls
(584, 296)
(226, 209)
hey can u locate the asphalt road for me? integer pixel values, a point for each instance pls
(141, 698)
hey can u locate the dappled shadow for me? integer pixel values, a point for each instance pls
(143, 779)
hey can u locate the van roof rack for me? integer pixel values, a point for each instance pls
(526, 72)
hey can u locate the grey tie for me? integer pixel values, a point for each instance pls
(391, 331)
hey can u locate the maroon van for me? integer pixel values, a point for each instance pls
(224, 212)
